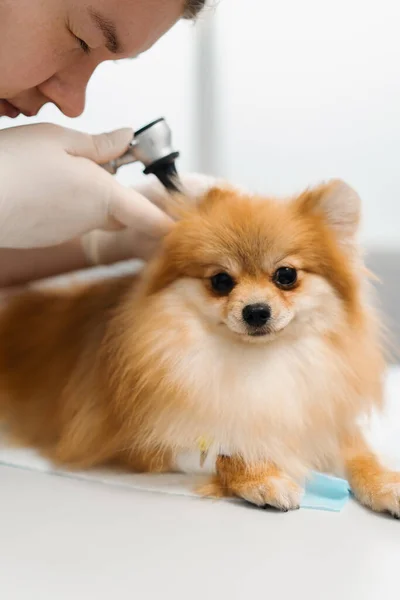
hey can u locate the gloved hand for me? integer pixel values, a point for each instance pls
(50, 192)
(107, 247)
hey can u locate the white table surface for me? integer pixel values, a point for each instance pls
(63, 538)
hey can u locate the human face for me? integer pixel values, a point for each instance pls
(50, 48)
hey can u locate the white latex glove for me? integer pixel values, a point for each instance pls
(52, 190)
(103, 247)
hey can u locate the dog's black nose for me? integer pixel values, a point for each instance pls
(256, 315)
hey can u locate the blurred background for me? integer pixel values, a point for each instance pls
(275, 96)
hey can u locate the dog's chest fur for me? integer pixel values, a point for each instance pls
(274, 401)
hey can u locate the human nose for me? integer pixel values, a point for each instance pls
(67, 89)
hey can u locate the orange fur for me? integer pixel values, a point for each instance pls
(136, 370)
(262, 484)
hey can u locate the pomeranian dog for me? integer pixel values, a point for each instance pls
(249, 337)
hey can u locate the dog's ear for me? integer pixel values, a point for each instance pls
(198, 194)
(214, 196)
(337, 204)
(193, 187)
(180, 205)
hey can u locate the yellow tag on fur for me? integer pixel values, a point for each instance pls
(204, 446)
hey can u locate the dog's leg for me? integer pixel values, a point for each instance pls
(262, 484)
(373, 485)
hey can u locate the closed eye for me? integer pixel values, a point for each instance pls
(83, 45)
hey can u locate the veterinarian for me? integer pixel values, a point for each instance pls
(53, 200)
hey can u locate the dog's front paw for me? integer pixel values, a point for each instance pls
(262, 484)
(380, 492)
(278, 491)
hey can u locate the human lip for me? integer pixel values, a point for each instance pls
(23, 111)
(10, 110)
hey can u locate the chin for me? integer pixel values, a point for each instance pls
(249, 337)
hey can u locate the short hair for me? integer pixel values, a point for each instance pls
(193, 8)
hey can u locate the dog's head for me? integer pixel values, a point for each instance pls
(253, 267)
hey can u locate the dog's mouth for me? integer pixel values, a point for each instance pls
(258, 333)
(268, 332)
(261, 333)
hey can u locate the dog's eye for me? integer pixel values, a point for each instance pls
(285, 277)
(222, 283)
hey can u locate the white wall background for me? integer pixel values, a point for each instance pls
(310, 89)
(289, 92)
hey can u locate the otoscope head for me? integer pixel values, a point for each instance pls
(153, 147)
(165, 170)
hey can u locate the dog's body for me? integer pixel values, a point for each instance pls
(249, 336)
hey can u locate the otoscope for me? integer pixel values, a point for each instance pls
(152, 146)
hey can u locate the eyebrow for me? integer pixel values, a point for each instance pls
(108, 30)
